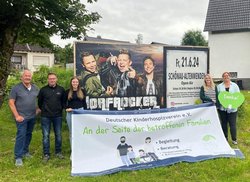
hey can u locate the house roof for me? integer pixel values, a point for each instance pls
(226, 15)
(31, 48)
(99, 39)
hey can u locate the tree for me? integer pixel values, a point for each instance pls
(194, 38)
(37, 20)
(63, 55)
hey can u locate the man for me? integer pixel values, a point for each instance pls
(51, 103)
(122, 150)
(90, 79)
(126, 82)
(22, 102)
(150, 83)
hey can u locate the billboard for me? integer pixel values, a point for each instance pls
(120, 76)
(131, 76)
(186, 68)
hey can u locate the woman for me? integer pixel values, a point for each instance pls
(208, 91)
(75, 99)
(228, 115)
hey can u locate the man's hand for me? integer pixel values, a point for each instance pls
(19, 119)
(112, 59)
(109, 90)
(69, 109)
(131, 73)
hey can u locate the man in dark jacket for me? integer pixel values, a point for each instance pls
(51, 102)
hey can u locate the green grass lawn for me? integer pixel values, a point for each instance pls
(222, 169)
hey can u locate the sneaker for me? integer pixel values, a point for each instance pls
(19, 162)
(27, 155)
(59, 156)
(234, 142)
(46, 158)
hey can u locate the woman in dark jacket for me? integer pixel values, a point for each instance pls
(208, 91)
(75, 99)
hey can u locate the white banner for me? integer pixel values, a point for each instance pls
(105, 142)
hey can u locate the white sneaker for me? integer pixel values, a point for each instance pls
(234, 142)
(19, 162)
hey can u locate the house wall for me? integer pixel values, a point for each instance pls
(37, 59)
(32, 60)
(24, 60)
(230, 52)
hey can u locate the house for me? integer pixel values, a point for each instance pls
(100, 39)
(31, 57)
(228, 27)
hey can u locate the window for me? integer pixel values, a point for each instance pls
(16, 59)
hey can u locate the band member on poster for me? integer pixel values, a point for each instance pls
(90, 78)
(149, 82)
(125, 82)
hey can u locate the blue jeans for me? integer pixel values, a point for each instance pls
(125, 160)
(57, 126)
(23, 137)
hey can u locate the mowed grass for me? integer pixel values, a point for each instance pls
(222, 169)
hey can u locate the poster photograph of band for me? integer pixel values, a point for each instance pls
(120, 76)
(185, 71)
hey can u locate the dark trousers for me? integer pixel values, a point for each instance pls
(231, 119)
(23, 137)
(57, 126)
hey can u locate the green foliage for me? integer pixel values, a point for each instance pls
(12, 80)
(40, 77)
(194, 38)
(37, 20)
(63, 75)
(63, 55)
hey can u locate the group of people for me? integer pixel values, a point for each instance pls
(51, 100)
(128, 156)
(209, 93)
(115, 76)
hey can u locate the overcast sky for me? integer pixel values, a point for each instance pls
(163, 21)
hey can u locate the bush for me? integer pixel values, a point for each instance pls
(13, 79)
(63, 75)
(40, 77)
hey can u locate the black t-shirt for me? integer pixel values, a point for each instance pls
(123, 149)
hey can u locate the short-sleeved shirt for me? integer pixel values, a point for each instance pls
(25, 99)
(123, 149)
